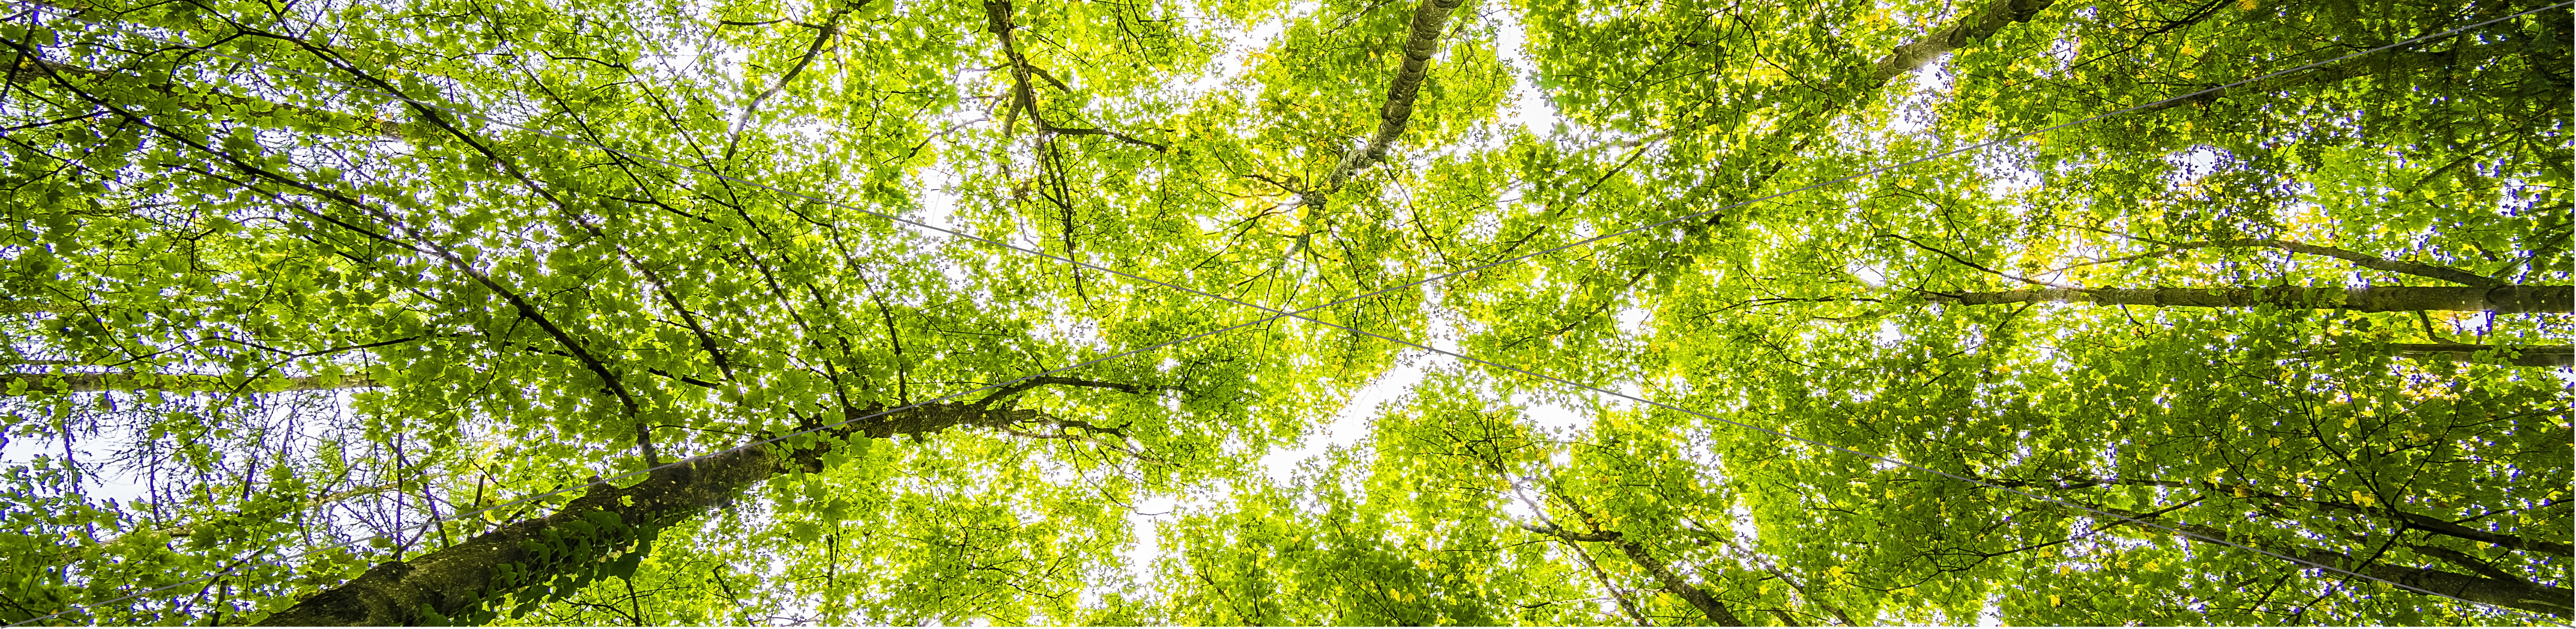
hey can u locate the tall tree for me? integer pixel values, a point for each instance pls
(1046, 312)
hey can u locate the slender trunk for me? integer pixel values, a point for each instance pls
(1716, 611)
(1664, 576)
(2406, 519)
(2514, 593)
(2529, 356)
(2364, 260)
(1422, 38)
(1983, 22)
(2507, 299)
(522, 560)
(2394, 66)
(26, 383)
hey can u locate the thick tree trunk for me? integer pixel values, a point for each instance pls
(2500, 299)
(2514, 593)
(456, 581)
(83, 382)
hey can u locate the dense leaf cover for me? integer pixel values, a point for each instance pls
(751, 312)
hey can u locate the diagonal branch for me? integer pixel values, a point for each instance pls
(1980, 267)
(1024, 385)
(831, 28)
(1025, 98)
(2406, 519)
(30, 69)
(445, 254)
(1665, 578)
(1422, 37)
(2364, 260)
(1983, 23)
(2514, 593)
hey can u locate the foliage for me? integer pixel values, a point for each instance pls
(1041, 312)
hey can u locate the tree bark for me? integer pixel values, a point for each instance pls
(2561, 356)
(2364, 260)
(2513, 593)
(1982, 23)
(1422, 38)
(456, 581)
(1664, 577)
(86, 382)
(1709, 605)
(2406, 519)
(2509, 299)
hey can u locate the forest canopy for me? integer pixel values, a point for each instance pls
(1310, 312)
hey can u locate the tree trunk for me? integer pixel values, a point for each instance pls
(10, 383)
(523, 560)
(1982, 23)
(1709, 605)
(2514, 593)
(1664, 576)
(1422, 38)
(2406, 519)
(2508, 299)
(2531, 356)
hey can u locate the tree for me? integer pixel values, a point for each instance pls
(904, 313)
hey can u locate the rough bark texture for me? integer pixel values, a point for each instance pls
(2499, 299)
(74, 382)
(2504, 592)
(2514, 593)
(1664, 576)
(1983, 23)
(1421, 39)
(1716, 611)
(450, 579)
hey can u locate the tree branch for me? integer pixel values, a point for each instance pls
(2418, 269)
(1017, 387)
(1971, 27)
(2514, 593)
